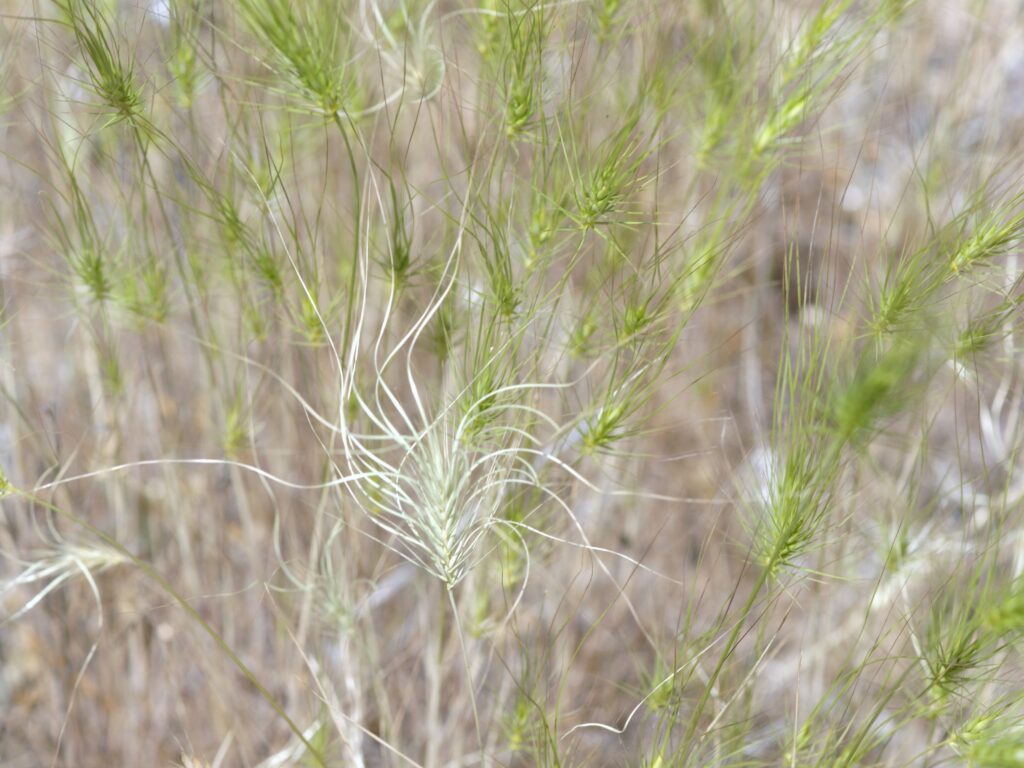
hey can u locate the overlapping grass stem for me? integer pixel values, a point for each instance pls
(389, 382)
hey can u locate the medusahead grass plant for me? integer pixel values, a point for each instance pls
(388, 383)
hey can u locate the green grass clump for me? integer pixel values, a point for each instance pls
(111, 72)
(308, 46)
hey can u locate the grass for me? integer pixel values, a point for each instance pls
(520, 383)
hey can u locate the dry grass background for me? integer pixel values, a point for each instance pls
(191, 348)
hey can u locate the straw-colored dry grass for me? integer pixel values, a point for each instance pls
(570, 383)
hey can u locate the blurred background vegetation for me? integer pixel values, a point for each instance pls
(518, 383)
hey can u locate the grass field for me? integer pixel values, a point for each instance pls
(511, 383)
